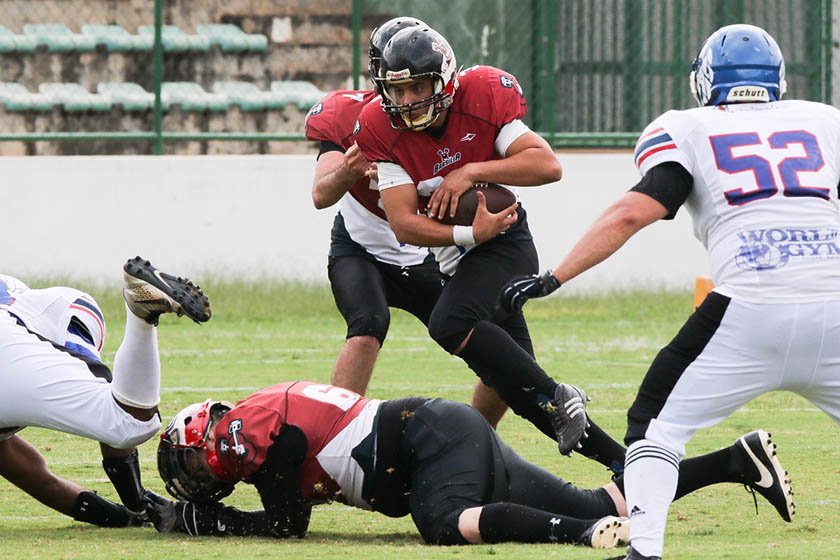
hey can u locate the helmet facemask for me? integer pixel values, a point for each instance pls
(187, 464)
(418, 53)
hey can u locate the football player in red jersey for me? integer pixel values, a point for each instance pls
(440, 132)
(369, 270)
(302, 444)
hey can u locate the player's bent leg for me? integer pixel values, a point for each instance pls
(488, 402)
(354, 365)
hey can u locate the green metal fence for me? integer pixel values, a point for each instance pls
(594, 71)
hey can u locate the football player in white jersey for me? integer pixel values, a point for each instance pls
(52, 376)
(759, 177)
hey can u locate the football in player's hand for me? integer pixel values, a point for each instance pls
(498, 198)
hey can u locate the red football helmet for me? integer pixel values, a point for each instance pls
(188, 466)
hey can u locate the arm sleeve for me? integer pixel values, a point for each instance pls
(327, 146)
(279, 485)
(669, 184)
(392, 175)
(508, 134)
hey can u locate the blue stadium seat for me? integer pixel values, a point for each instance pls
(131, 96)
(57, 37)
(12, 42)
(192, 97)
(301, 93)
(176, 40)
(232, 39)
(117, 39)
(74, 97)
(15, 97)
(249, 97)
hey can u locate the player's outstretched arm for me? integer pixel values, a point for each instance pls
(608, 233)
(22, 465)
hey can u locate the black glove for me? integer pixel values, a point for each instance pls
(522, 288)
(180, 517)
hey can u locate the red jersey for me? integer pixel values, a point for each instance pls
(334, 420)
(486, 100)
(333, 119)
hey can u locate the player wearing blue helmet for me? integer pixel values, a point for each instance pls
(759, 176)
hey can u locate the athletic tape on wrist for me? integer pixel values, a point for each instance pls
(463, 235)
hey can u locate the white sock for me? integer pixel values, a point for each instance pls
(650, 482)
(137, 365)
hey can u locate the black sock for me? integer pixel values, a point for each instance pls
(124, 473)
(601, 447)
(91, 508)
(705, 470)
(504, 361)
(504, 522)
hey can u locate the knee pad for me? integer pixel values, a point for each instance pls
(369, 324)
(447, 330)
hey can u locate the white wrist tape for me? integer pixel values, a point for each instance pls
(463, 235)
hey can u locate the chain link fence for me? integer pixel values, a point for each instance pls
(237, 76)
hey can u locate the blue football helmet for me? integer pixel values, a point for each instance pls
(738, 63)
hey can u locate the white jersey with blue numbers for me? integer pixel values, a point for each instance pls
(764, 195)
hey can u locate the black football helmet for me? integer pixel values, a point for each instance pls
(189, 467)
(412, 54)
(380, 36)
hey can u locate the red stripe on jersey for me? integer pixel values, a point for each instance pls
(652, 132)
(649, 153)
(95, 318)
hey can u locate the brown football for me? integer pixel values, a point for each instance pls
(498, 198)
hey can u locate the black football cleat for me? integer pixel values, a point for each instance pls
(568, 416)
(764, 473)
(607, 532)
(149, 293)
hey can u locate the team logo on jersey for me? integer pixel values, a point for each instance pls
(237, 443)
(769, 249)
(357, 128)
(445, 159)
(506, 81)
(317, 108)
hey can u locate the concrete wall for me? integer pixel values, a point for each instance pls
(251, 216)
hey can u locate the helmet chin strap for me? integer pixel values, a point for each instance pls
(422, 122)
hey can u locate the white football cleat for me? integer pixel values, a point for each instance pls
(150, 293)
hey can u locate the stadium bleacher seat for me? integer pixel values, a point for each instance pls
(192, 97)
(74, 97)
(12, 42)
(176, 40)
(15, 97)
(249, 97)
(117, 39)
(232, 39)
(131, 96)
(57, 37)
(301, 93)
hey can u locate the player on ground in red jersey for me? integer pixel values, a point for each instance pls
(302, 444)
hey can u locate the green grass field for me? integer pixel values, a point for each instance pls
(264, 334)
